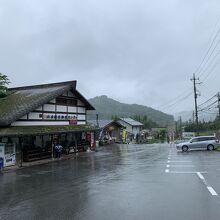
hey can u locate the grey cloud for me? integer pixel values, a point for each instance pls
(135, 51)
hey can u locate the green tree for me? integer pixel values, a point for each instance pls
(162, 134)
(115, 117)
(4, 81)
(148, 123)
(203, 126)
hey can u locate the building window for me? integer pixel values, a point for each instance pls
(66, 101)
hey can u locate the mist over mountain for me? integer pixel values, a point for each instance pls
(188, 115)
(106, 108)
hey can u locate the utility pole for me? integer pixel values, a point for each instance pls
(195, 97)
(218, 105)
(193, 117)
(97, 120)
(193, 121)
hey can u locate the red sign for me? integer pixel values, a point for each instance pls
(73, 121)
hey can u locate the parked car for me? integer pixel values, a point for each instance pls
(201, 142)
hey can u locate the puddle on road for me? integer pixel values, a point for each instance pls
(44, 172)
(24, 175)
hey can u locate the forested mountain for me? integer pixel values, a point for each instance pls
(108, 108)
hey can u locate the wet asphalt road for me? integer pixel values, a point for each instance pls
(123, 182)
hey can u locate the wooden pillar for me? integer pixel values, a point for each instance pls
(75, 141)
(52, 146)
(21, 150)
(66, 139)
(65, 143)
(42, 141)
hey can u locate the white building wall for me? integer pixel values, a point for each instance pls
(61, 108)
(72, 109)
(81, 117)
(81, 110)
(81, 123)
(34, 115)
(48, 107)
(36, 123)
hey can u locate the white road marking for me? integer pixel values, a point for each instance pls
(200, 176)
(185, 165)
(212, 191)
(186, 172)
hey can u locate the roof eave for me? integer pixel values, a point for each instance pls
(72, 83)
(83, 99)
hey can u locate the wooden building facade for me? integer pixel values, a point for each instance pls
(34, 118)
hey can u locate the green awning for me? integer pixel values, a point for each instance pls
(43, 130)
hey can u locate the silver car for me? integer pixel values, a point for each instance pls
(201, 142)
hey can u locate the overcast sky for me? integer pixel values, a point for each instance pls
(135, 51)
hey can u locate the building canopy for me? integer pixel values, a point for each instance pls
(43, 130)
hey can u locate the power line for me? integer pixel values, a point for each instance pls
(179, 100)
(211, 113)
(213, 67)
(210, 64)
(173, 100)
(207, 100)
(207, 90)
(208, 58)
(209, 106)
(210, 46)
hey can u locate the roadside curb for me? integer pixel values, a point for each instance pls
(41, 162)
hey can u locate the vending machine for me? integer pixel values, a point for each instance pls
(8, 154)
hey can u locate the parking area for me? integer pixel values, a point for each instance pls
(204, 164)
(117, 182)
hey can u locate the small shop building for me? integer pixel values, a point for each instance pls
(34, 118)
(110, 131)
(133, 127)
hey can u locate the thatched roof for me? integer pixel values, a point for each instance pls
(22, 100)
